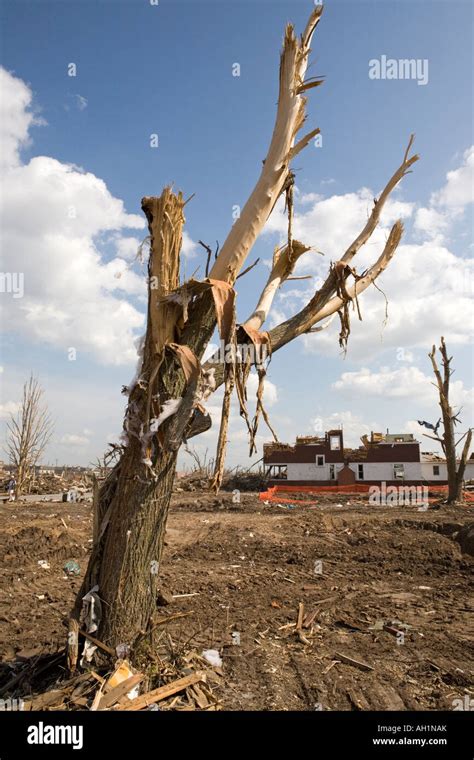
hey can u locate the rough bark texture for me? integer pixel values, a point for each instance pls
(131, 506)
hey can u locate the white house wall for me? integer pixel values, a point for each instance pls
(384, 470)
(378, 471)
(427, 471)
(310, 471)
(372, 471)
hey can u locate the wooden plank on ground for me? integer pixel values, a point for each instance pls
(299, 621)
(164, 691)
(351, 661)
(98, 643)
(120, 690)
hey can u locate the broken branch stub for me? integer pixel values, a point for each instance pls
(165, 222)
(284, 262)
(289, 120)
(379, 203)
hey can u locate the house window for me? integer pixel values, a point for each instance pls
(278, 471)
(398, 472)
(436, 469)
(320, 460)
(332, 472)
(360, 471)
(334, 443)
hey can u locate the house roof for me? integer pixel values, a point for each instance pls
(430, 456)
(399, 438)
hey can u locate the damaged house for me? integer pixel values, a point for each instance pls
(323, 461)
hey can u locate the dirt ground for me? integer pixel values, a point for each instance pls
(247, 567)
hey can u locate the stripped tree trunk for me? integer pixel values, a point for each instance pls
(449, 418)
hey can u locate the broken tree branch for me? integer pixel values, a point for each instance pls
(283, 265)
(245, 271)
(289, 119)
(374, 217)
(324, 304)
(209, 254)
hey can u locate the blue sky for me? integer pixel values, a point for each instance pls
(167, 69)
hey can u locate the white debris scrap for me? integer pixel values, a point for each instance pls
(169, 407)
(213, 657)
(91, 615)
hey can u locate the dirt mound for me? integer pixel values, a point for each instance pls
(465, 538)
(33, 542)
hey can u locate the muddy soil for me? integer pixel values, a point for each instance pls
(389, 587)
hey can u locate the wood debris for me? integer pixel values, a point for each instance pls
(119, 691)
(157, 695)
(355, 663)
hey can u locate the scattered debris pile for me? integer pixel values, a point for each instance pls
(54, 483)
(193, 482)
(172, 679)
(232, 480)
(244, 480)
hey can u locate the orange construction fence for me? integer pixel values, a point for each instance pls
(272, 494)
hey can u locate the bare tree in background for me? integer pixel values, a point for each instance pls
(29, 432)
(167, 398)
(450, 419)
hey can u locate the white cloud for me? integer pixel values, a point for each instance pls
(429, 293)
(448, 204)
(127, 247)
(431, 222)
(189, 247)
(310, 198)
(389, 383)
(72, 297)
(72, 439)
(53, 216)
(459, 188)
(403, 382)
(16, 118)
(331, 224)
(8, 408)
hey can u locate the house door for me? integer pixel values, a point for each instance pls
(346, 476)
